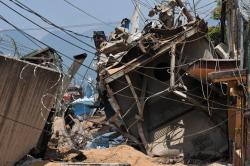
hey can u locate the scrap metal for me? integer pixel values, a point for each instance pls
(160, 83)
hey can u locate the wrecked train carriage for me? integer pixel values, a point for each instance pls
(163, 105)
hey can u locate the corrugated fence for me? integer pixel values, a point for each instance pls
(23, 89)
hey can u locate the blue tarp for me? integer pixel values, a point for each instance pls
(82, 107)
(105, 141)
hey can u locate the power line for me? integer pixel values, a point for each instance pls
(30, 36)
(140, 12)
(145, 4)
(88, 14)
(46, 29)
(63, 26)
(147, 1)
(24, 7)
(62, 53)
(18, 44)
(49, 22)
(206, 5)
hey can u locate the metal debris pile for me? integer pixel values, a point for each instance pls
(153, 93)
(166, 91)
(157, 84)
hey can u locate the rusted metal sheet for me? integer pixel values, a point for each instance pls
(227, 75)
(26, 96)
(201, 68)
(236, 128)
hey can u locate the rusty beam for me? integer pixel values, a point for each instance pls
(228, 75)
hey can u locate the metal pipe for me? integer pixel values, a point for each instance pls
(172, 67)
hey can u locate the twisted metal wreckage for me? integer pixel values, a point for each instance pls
(160, 86)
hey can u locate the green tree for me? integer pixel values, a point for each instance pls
(214, 33)
(216, 14)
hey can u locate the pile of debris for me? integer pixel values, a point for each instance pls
(157, 84)
(159, 99)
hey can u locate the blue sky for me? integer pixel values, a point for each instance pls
(62, 14)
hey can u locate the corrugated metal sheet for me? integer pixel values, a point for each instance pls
(22, 115)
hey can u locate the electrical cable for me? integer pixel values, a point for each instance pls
(88, 14)
(46, 29)
(143, 18)
(208, 4)
(49, 22)
(26, 8)
(64, 26)
(30, 36)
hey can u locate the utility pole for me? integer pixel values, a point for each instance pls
(247, 113)
(135, 18)
(223, 20)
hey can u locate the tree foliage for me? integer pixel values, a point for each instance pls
(216, 14)
(214, 33)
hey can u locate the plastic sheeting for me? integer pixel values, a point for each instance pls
(82, 107)
(244, 6)
(106, 140)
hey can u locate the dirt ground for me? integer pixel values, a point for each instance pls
(120, 154)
